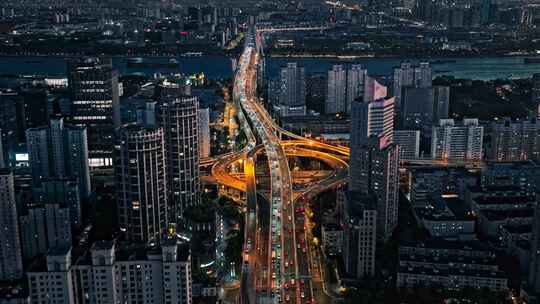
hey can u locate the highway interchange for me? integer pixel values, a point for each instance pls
(277, 256)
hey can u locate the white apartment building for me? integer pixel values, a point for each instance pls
(107, 274)
(453, 142)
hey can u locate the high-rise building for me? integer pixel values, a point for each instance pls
(336, 94)
(11, 267)
(461, 142)
(45, 226)
(417, 107)
(316, 85)
(421, 107)
(360, 234)
(374, 159)
(113, 274)
(12, 124)
(409, 144)
(180, 121)
(293, 89)
(374, 118)
(441, 102)
(59, 150)
(409, 75)
(204, 132)
(95, 95)
(35, 107)
(11, 118)
(141, 175)
(515, 140)
(356, 77)
(374, 169)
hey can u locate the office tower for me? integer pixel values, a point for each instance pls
(45, 226)
(409, 75)
(12, 122)
(535, 95)
(114, 274)
(94, 92)
(360, 234)
(180, 122)
(316, 85)
(336, 94)
(374, 160)
(204, 132)
(375, 169)
(409, 144)
(441, 103)
(141, 175)
(417, 108)
(515, 140)
(374, 118)
(35, 107)
(356, 77)
(421, 107)
(453, 142)
(293, 89)
(59, 150)
(11, 267)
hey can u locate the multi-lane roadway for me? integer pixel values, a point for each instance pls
(277, 258)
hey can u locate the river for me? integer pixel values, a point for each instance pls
(215, 67)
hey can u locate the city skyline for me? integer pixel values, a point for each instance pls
(269, 152)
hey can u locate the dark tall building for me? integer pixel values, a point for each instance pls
(35, 107)
(141, 176)
(316, 92)
(417, 107)
(11, 267)
(441, 102)
(94, 92)
(9, 101)
(292, 97)
(423, 107)
(179, 119)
